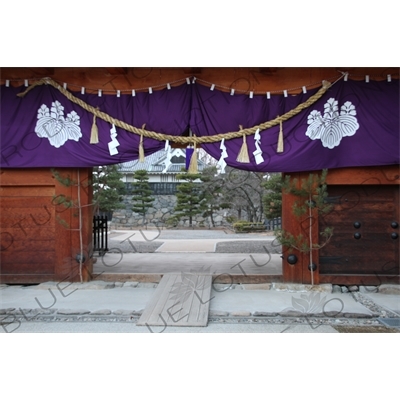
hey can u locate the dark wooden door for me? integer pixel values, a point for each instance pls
(364, 248)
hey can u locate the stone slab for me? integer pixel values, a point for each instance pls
(73, 312)
(301, 288)
(257, 286)
(389, 289)
(179, 300)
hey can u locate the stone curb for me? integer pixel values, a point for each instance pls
(32, 313)
(219, 287)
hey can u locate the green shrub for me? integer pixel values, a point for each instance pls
(172, 222)
(246, 226)
(231, 219)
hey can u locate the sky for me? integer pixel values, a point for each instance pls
(210, 33)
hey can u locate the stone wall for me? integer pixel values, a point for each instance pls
(163, 208)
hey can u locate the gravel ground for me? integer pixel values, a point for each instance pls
(133, 247)
(247, 246)
(186, 234)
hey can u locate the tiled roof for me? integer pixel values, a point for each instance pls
(155, 164)
(132, 166)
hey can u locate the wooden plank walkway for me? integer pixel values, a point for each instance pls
(181, 299)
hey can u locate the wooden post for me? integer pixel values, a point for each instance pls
(299, 272)
(39, 228)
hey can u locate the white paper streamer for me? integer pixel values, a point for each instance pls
(168, 159)
(112, 146)
(112, 149)
(258, 152)
(221, 162)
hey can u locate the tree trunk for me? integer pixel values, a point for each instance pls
(212, 219)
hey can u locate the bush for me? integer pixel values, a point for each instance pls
(231, 219)
(172, 222)
(246, 226)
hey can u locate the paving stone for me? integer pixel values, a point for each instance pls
(101, 312)
(368, 289)
(264, 314)
(240, 314)
(215, 313)
(356, 315)
(328, 314)
(4, 311)
(353, 288)
(94, 285)
(73, 312)
(222, 287)
(130, 284)
(147, 285)
(291, 313)
(49, 285)
(389, 289)
(294, 287)
(43, 311)
(336, 289)
(257, 286)
(123, 312)
(23, 311)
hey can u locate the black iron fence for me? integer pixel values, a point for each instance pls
(272, 224)
(100, 234)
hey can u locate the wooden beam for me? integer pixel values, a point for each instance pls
(42, 72)
(268, 70)
(117, 70)
(192, 70)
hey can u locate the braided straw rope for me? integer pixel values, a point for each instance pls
(181, 139)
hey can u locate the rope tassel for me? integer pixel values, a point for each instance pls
(141, 148)
(193, 167)
(280, 139)
(243, 155)
(94, 134)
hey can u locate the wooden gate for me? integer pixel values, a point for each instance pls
(365, 244)
(364, 248)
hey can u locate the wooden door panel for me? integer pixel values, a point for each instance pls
(374, 208)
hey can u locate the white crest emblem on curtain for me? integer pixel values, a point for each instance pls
(52, 124)
(334, 125)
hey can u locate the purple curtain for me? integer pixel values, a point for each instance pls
(359, 127)
(164, 111)
(353, 124)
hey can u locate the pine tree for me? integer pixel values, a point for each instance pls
(212, 193)
(108, 188)
(141, 198)
(273, 198)
(189, 202)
